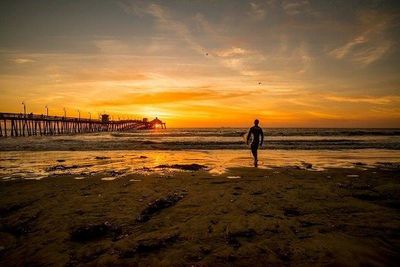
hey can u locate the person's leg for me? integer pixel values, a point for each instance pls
(255, 156)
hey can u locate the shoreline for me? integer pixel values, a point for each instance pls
(246, 216)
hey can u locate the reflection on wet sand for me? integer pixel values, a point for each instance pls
(114, 164)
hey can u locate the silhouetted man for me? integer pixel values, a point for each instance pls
(258, 139)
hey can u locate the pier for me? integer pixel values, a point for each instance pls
(18, 124)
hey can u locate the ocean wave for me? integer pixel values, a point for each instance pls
(115, 144)
(268, 132)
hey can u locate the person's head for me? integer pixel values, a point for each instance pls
(256, 122)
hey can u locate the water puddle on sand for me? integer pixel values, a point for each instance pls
(116, 164)
(108, 178)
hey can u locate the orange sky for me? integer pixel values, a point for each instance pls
(205, 63)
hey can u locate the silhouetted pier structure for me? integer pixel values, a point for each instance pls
(17, 124)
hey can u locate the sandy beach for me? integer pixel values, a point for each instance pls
(282, 216)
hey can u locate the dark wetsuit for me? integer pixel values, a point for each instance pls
(257, 133)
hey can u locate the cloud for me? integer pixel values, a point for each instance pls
(111, 46)
(168, 97)
(232, 52)
(234, 58)
(295, 7)
(371, 54)
(106, 75)
(164, 19)
(384, 100)
(323, 115)
(257, 12)
(372, 42)
(304, 57)
(137, 8)
(342, 51)
(364, 49)
(23, 60)
(240, 60)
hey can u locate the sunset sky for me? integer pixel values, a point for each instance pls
(205, 63)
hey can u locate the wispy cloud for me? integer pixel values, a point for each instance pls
(371, 54)
(23, 60)
(232, 52)
(111, 46)
(168, 97)
(323, 115)
(164, 19)
(304, 57)
(344, 50)
(383, 100)
(295, 7)
(372, 44)
(257, 11)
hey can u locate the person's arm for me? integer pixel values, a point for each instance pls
(248, 136)
(262, 138)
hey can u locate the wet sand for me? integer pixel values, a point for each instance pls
(284, 216)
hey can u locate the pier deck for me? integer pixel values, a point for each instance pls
(17, 124)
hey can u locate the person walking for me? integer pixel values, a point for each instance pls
(257, 140)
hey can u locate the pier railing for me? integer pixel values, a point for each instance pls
(17, 124)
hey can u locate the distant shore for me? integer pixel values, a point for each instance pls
(245, 217)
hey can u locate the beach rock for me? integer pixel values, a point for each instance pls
(94, 231)
(186, 167)
(158, 205)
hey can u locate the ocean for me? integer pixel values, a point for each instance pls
(218, 149)
(211, 139)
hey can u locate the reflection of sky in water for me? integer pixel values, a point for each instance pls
(120, 163)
